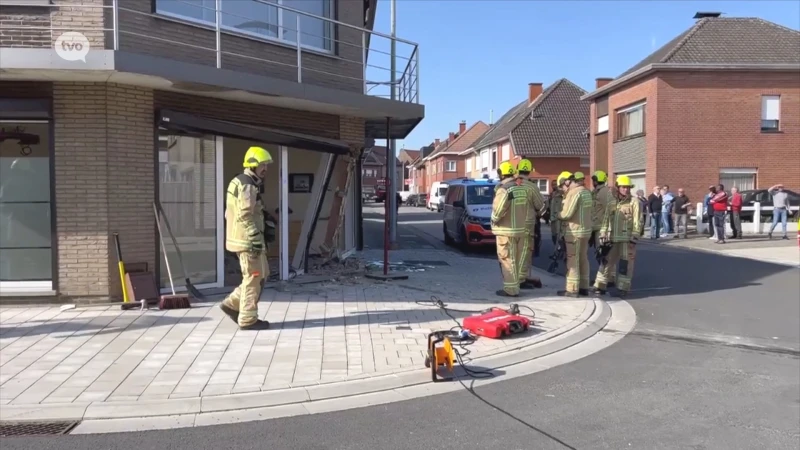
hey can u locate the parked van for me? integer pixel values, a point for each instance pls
(468, 212)
(438, 190)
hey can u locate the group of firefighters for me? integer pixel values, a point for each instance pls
(607, 218)
(579, 218)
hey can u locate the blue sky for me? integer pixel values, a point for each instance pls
(479, 55)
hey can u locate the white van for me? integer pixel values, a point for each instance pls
(438, 191)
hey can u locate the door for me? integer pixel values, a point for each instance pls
(26, 216)
(190, 191)
(451, 211)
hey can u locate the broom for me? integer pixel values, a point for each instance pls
(160, 213)
(174, 301)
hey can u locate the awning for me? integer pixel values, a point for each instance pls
(178, 121)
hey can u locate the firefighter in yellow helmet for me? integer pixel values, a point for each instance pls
(509, 214)
(536, 207)
(603, 205)
(623, 229)
(244, 235)
(579, 178)
(576, 213)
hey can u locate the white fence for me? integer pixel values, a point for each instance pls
(757, 226)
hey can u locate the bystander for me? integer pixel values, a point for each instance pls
(780, 212)
(719, 204)
(654, 206)
(736, 210)
(681, 206)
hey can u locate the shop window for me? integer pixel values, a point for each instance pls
(187, 191)
(26, 253)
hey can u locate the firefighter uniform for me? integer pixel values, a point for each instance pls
(244, 235)
(509, 213)
(556, 200)
(623, 229)
(576, 213)
(603, 205)
(536, 208)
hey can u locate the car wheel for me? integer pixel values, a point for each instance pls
(447, 239)
(462, 238)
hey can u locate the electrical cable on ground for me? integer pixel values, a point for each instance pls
(464, 337)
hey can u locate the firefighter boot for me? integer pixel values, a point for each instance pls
(567, 294)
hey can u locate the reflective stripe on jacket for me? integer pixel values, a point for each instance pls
(536, 206)
(244, 213)
(510, 208)
(576, 212)
(625, 220)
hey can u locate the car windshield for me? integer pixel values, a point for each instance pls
(441, 191)
(480, 195)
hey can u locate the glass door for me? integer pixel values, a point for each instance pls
(189, 191)
(26, 225)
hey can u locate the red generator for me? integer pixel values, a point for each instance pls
(496, 323)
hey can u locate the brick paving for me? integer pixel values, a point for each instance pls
(321, 334)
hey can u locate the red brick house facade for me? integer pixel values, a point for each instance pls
(447, 161)
(548, 128)
(694, 114)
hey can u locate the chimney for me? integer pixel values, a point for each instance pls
(600, 82)
(436, 142)
(706, 15)
(462, 127)
(534, 90)
(452, 136)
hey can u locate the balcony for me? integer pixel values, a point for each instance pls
(254, 38)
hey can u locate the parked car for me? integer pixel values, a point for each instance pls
(380, 194)
(417, 199)
(467, 212)
(762, 196)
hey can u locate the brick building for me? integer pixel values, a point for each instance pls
(446, 160)
(153, 100)
(548, 128)
(417, 171)
(373, 169)
(720, 103)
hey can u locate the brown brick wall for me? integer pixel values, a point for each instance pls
(144, 33)
(709, 121)
(645, 90)
(83, 16)
(13, 18)
(104, 183)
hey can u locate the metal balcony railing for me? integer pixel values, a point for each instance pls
(329, 51)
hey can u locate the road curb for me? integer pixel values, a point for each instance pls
(594, 317)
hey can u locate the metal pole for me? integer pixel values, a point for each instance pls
(416, 77)
(299, 52)
(364, 59)
(284, 213)
(386, 210)
(115, 9)
(391, 192)
(218, 8)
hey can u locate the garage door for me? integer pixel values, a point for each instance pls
(638, 181)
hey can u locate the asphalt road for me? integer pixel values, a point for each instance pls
(688, 377)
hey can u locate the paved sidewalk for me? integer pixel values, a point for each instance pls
(93, 358)
(759, 248)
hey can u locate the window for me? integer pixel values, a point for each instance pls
(485, 160)
(369, 173)
(260, 19)
(770, 112)
(451, 166)
(602, 124)
(453, 194)
(585, 161)
(744, 179)
(494, 158)
(630, 121)
(187, 189)
(480, 195)
(542, 184)
(468, 165)
(26, 253)
(506, 152)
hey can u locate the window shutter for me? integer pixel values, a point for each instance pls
(770, 107)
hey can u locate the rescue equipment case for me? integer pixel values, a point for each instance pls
(496, 323)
